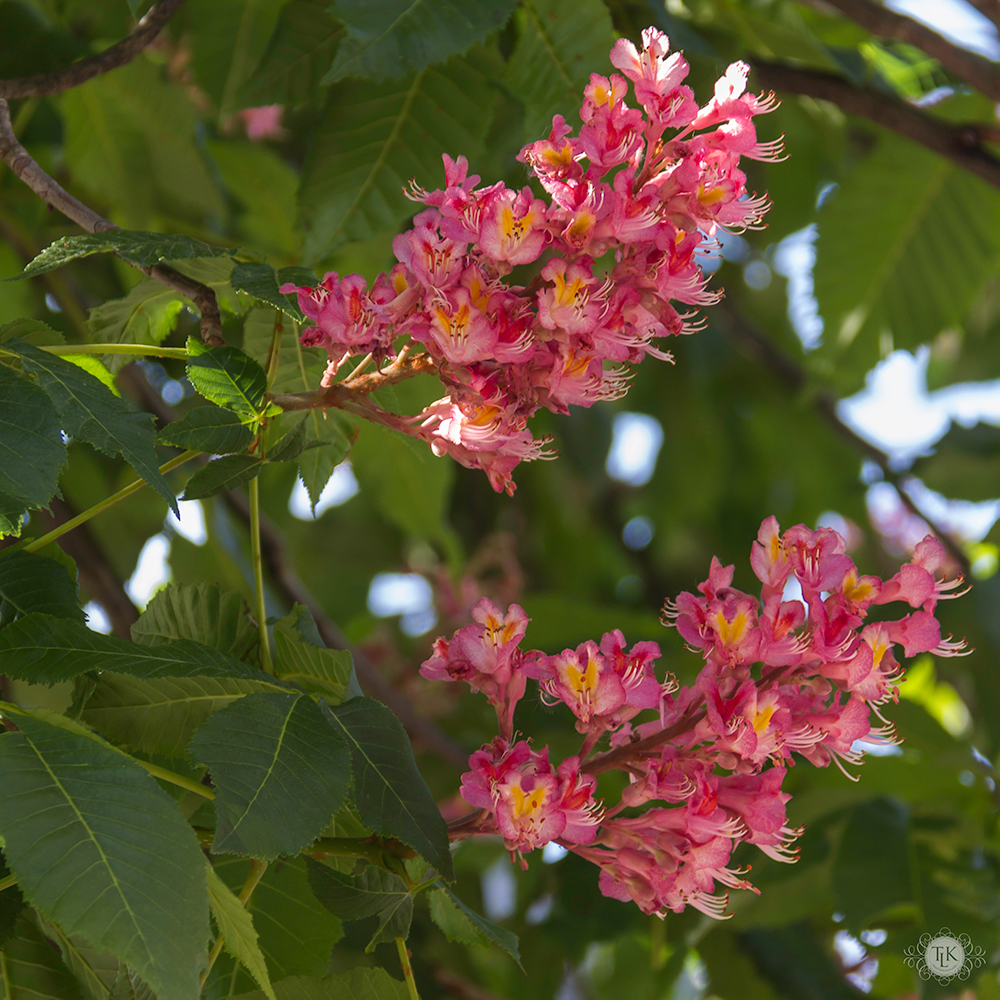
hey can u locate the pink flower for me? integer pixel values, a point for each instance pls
(486, 656)
(512, 228)
(264, 122)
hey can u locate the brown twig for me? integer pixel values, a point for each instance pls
(46, 84)
(974, 69)
(962, 144)
(768, 355)
(347, 395)
(53, 194)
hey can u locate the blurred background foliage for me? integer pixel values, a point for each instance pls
(876, 244)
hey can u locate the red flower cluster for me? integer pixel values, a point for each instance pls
(717, 752)
(628, 209)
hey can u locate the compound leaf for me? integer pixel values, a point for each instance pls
(374, 138)
(559, 46)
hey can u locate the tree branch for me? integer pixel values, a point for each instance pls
(768, 355)
(962, 144)
(53, 194)
(974, 69)
(46, 84)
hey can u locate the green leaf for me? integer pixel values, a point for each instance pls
(360, 983)
(147, 315)
(129, 986)
(90, 412)
(34, 583)
(317, 464)
(390, 38)
(30, 968)
(32, 451)
(296, 933)
(302, 661)
(280, 772)
(886, 290)
(299, 368)
(44, 649)
(95, 971)
(353, 897)
(135, 246)
(262, 282)
(203, 612)
(210, 429)
(237, 931)
(11, 906)
(559, 46)
(409, 487)
(160, 716)
(266, 188)
(872, 868)
(389, 792)
(228, 39)
(290, 445)
(461, 923)
(132, 138)
(31, 331)
(300, 52)
(214, 272)
(227, 377)
(99, 823)
(965, 463)
(374, 891)
(373, 138)
(226, 473)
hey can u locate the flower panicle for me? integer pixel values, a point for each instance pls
(653, 184)
(780, 677)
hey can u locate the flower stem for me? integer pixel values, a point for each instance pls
(404, 961)
(127, 491)
(257, 869)
(258, 576)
